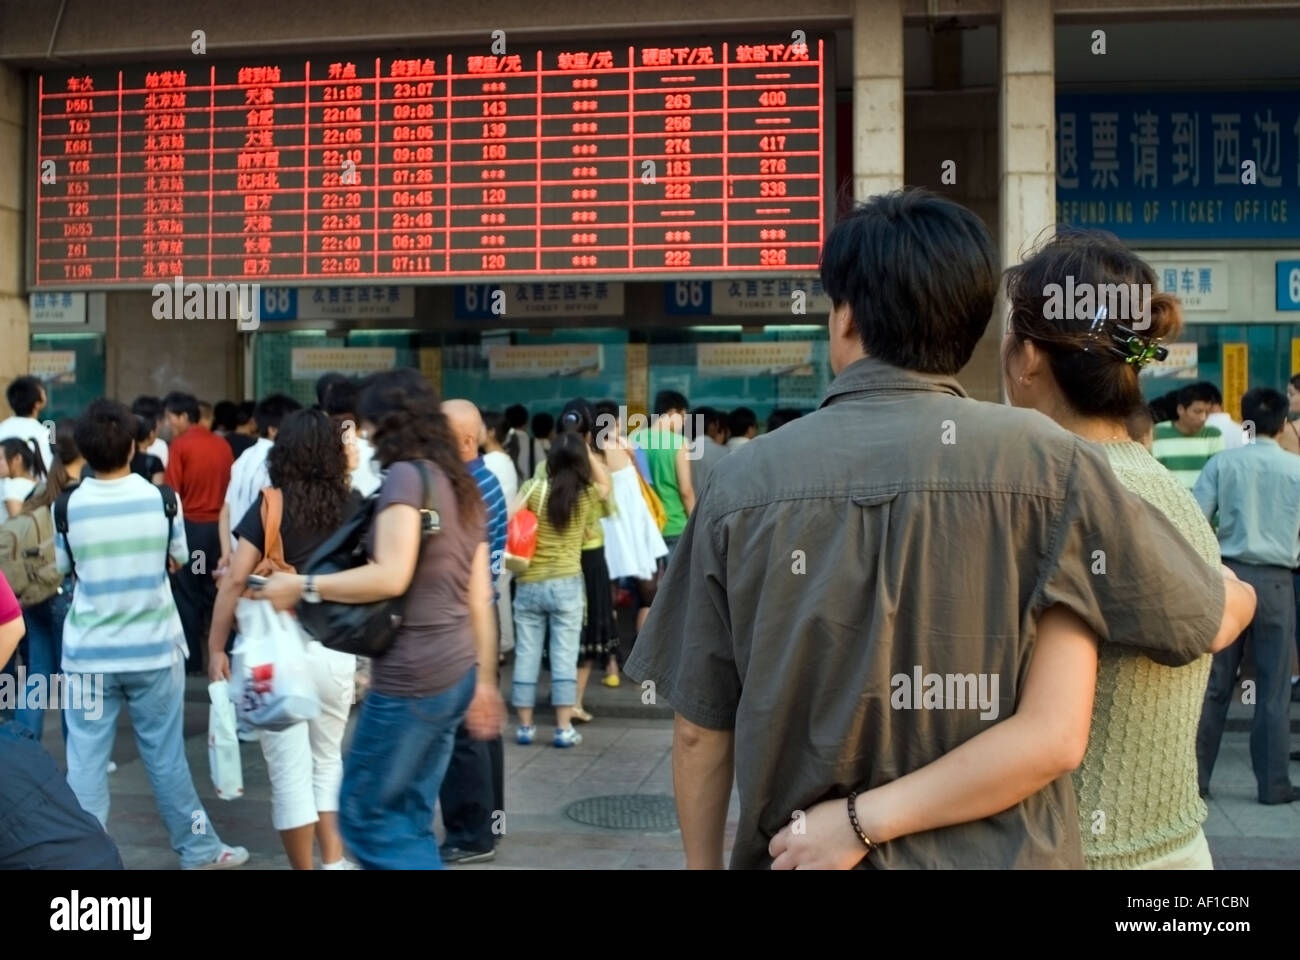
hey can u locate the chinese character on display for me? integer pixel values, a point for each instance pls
(1205, 280)
(1268, 159)
(1105, 162)
(1146, 142)
(1227, 147)
(602, 291)
(521, 292)
(1189, 280)
(1169, 283)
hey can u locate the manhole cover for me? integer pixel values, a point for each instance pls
(654, 813)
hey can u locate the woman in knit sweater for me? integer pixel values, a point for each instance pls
(1139, 806)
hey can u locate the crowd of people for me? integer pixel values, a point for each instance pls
(1073, 578)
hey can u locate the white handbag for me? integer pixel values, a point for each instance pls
(274, 688)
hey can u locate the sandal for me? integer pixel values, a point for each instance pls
(582, 716)
(610, 680)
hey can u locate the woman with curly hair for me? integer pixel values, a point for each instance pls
(441, 667)
(310, 492)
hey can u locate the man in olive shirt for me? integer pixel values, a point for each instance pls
(902, 529)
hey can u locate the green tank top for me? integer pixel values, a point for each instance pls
(661, 448)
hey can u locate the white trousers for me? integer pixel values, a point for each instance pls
(305, 762)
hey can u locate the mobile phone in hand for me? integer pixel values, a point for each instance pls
(256, 582)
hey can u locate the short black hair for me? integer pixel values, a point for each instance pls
(105, 434)
(781, 416)
(145, 404)
(740, 420)
(342, 398)
(144, 425)
(666, 400)
(24, 394)
(516, 416)
(494, 421)
(244, 412)
(224, 415)
(1203, 392)
(920, 274)
(1266, 408)
(186, 403)
(606, 408)
(324, 384)
(1165, 407)
(66, 450)
(271, 410)
(543, 425)
(709, 417)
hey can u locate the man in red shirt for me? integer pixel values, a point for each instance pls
(198, 469)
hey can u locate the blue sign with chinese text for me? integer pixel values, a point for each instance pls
(1169, 166)
(1288, 285)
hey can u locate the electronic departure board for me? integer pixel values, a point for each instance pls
(599, 162)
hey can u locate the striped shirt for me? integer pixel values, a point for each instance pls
(1185, 456)
(495, 500)
(123, 617)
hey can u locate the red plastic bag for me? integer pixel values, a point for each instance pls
(521, 540)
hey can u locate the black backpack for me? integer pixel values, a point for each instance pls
(61, 520)
(365, 629)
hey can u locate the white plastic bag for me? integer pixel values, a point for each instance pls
(275, 687)
(223, 748)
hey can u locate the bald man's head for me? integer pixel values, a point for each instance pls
(466, 426)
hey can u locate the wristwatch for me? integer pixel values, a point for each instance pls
(309, 591)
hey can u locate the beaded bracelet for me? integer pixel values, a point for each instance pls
(853, 819)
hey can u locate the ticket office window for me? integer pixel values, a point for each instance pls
(1268, 351)
(675, 364)
(71, 383)
(468, 372)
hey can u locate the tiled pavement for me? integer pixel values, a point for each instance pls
(624, 751)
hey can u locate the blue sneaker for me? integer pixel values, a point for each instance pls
(567, 737)
(524, 735)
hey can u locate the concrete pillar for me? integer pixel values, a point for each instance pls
(14, 328)
(877, 97)
(1026, 160)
